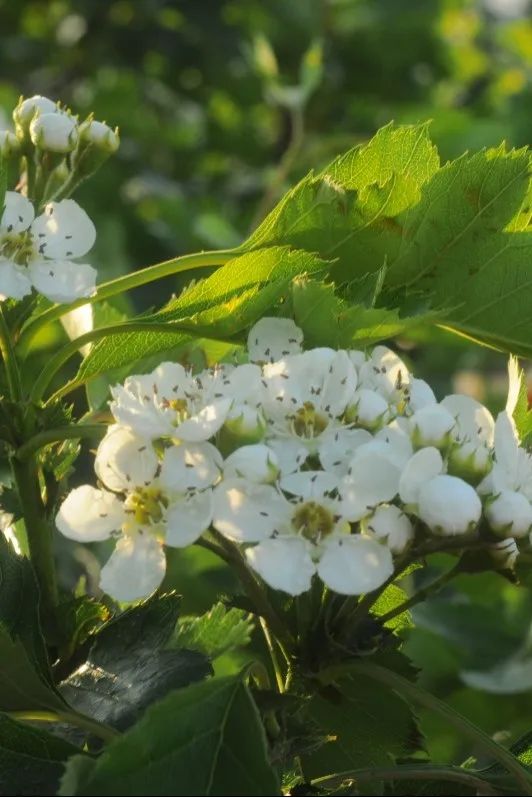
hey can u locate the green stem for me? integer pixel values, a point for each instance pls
(10, 360)
(127, 283)
(422, 594)
(407, 772)
(273, 654)
(77, 432)
(99, 729)
(40, 540)
(423, 698)
(72, 348)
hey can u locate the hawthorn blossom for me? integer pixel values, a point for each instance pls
(38, 251)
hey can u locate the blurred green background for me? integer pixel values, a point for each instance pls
(222, 104)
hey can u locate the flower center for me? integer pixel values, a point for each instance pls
(17, 246)
(146, 506)
(313, 521)
(308, 422)
(179, 406)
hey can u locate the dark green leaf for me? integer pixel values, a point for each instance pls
(203, 740)
(215, 632)
(127, 667)
(31, 761)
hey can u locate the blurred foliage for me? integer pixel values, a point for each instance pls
(221, 105)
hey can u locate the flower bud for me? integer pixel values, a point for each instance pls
(420, 395)
(256, 463)
(431, 426)
(449, 506)
(368, 409)
(54, 132)
(100, 135)
(470, 461)
(26, 110)
(509, 514)
(9, 144)
(390, 523)
(504, 554)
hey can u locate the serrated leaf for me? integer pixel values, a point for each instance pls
(127, 667)
(203, 740)
(348, 211)
(31, 760)
(25, 679)
(328, 320)
(215, 632)
(224, 304)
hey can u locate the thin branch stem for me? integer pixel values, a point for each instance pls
(423, 698)
(270, 644)
(76, 432)
(408, 772)
(126, 283)
(10, 362)
(422, 594)
(99, 729)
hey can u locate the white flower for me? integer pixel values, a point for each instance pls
(54, 132)
(304, 397)
(258, 463)
(449, 505)
(431, 426)
(27, 109)
(167, 502)
(512, 469)
(299, 536)
(272, 339)
(470, 461)
(36, 251)
(423, 466)
(170, 402)
(510, 514)
(371, 479)
(390, 523)
(338, 447)
(474, 423)
(419, 394)
(100, 135)
(368, 409)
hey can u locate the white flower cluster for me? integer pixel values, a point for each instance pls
(318, 463)
(37, 251)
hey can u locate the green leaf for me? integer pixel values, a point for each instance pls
(31, 761)
(25, 678)
(203, 740)
(522, 414)
(224, 304)
(127, 667)
(366, 724)
(392, 597)
(215, 632)
(328, 320)
(349, 211)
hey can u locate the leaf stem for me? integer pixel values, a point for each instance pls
(76, 432)
(99, 729)
(423, 698)
(126, 283)
(273, 654)
(422, 594)
(408, 772)
(10, 360)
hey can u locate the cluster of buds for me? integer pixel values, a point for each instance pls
(318, 464)
(42, 230)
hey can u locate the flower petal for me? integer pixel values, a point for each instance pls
(354, 565)
(336, 448)
(390, 523)
(284, 563)
(63, 231)
(310, 484)
(272, 339)
(187, 519)
(248, 512)
(449, 505)
(18, 212)
(125, 460)
(14, 280)
(135, 569)
(372, 478)
(420, 468)
(62, 281)
(89, 515)
(190, 465)
(205, 423)
(473, 420)
(257, 463)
